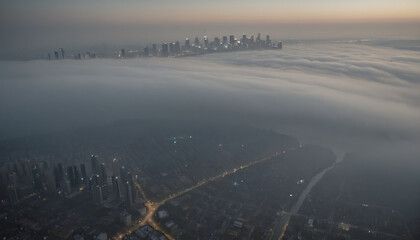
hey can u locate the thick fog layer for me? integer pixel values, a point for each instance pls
(347, 96)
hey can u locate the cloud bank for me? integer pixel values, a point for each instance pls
(344, 95)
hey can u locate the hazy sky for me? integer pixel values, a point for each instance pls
(28, 26)
(243, 11)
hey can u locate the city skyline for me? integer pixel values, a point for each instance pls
(35, 27)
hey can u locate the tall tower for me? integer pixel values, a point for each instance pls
(232, 40)
(97, 195)
(103, 175)
(128, 194)
(187, 44)
(206, 42)
(94, 164)
(116, 187)
(63, 54)
(115, 167)
(83, 172)
(165, 50)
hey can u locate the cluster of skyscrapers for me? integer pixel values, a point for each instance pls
(188, 48)
(24, 178)
(197, 47)
(61, 54)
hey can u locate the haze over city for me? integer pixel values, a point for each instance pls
(209, 119)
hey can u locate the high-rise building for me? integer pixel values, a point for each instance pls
(83, 172)
(115, 167)
(63, 54)
(123, 53)
(116, 187)
(103, 175)
(187, 44)
(279, 45)
(13, 179)
(267, 40)
(57, 177)
(71, 177)
(244, 40)
(56, 55)
(97, 195)
(165, 50)
(124, 173)
(94, 164)
(49, 182)
(66, 187)
(225, 40)
(77, 177)
(125, 218)
(217, 42)
(232, 40)
(196, 42)
(154, 50)
(37, 179)
(172, 49)
(146, 51)
(206, 42)
(128, 194)
(13, 196)
(177, 48)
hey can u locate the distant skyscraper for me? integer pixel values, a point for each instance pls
(13, 179)
(123, 53)
(76, 177)
(267, 40)
(172, 49)
(57, 177)
(187, 44)
(71, 177)
(13, 196)
(56, 55)
(103, 175)
(66, 187)
(83, 172)
(196, 42)
(124, 173)
(115, 167)
(165, 50)
(206, 42)
(279, 45)
(63, 54)
(232, 40)
(154, 50)
(217, 42)
(146, 52)
(116, 186)
(128, 194)
(225, 40)
(177, 48)
(49, 181)
(94, 164)
(97, 194)
(125, 218)
(244, 40)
